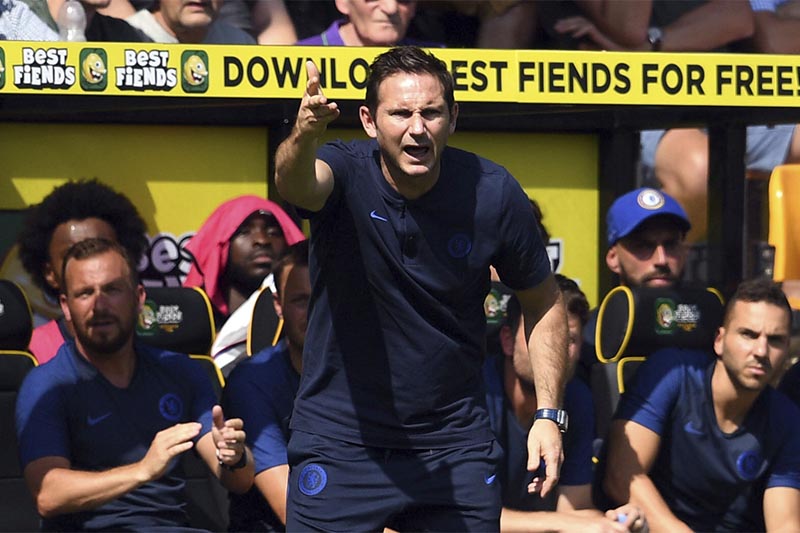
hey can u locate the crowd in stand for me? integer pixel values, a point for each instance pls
(699, 443)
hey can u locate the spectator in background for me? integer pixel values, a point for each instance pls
(704, 443)
(99, 27)
(368, 23)
(266, 20)
(646, 248)
(72, 212)
(511, 398)
(261, 390)
(234, 251)
(678, 158)
(19, 23)
(187, 21)
(100, 428)
(478, 23)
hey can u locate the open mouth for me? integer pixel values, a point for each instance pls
(417, 152)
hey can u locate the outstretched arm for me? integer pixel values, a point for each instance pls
(546, 332)
(58, 489)
(301, 178)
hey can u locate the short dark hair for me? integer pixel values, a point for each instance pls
(92, 247)
(574, 298)
(760, 289)
(537, 213)
(77, 200)
(296, 255)
(410, 60)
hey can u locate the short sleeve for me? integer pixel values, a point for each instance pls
(785, 472)
(203, 397)
(522, 261)
(654, 390)
(41, 419)
(247, 397)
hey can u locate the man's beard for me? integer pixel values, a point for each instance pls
(245, 283)
(105, 344)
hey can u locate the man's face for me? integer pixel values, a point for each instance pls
(412, 124)
(378, 22)
(652, 256)
(64, 236)
(754, 344)
(182, 15)
(102, 303)
(295, 292)
(257, 243)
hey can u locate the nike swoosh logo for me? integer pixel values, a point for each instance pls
(489, 479)
(376, 216)
(691, 429)
(94, 420)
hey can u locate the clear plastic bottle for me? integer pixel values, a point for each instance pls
(71, 22)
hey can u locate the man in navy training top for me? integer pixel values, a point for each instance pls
(261, 390)
(390, 425)
(511, 399)
(101, 426)
(705, 444)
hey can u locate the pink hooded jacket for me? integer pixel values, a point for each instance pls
(210, 244)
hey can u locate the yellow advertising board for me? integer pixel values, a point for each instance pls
(510, 76)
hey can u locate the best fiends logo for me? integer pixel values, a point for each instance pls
(195, 71)
(146, 70)
(94, 69)
(44, 68)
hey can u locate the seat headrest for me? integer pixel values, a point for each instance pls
(265, 325)
(178, 319)
(639, 321)
(16, 322)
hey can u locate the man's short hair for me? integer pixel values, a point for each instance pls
(409, 60)
(574, 298)
(89, 248)
(77, 200)
(760, 289)
(296, 255)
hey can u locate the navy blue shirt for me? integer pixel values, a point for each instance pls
(513, 473)
(261, 391)
(66, 408)
(711, 480)
(395, 339)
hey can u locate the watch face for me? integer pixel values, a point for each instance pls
(654, 35)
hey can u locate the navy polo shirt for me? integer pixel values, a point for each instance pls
(395, 340)
(713, 481)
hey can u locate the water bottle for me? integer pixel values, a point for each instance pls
(71, 22)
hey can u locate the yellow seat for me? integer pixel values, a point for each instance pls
(784, 224)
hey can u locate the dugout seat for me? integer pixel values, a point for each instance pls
(17, 509)
(632, 323)
(784, 225)
(180, 319)
(266, 326)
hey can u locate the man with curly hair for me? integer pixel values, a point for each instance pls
(72, 212)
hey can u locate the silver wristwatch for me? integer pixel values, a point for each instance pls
(559, 416)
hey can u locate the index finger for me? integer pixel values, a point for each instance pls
(552, 463)
(313, 88)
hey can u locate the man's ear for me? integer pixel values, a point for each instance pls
(276, 303)
(62, 299)
(612, 259)
(507, 340)
(453, 118)
(367, 121)
(50, 275)
(718, 341)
